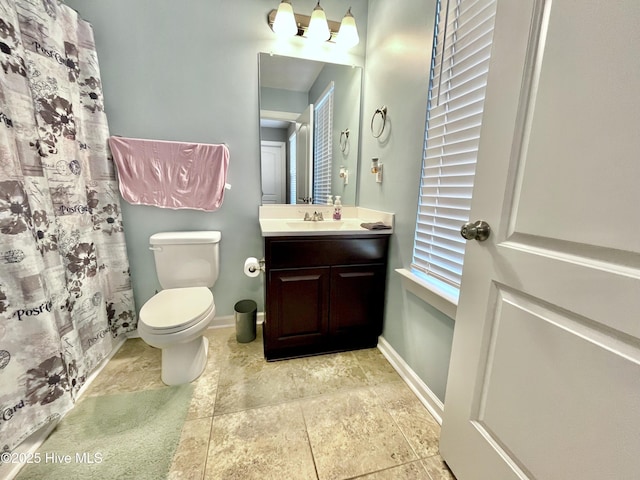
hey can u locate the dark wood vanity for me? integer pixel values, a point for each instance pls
(323, 293)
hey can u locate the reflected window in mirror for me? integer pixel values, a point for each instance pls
(322, 146)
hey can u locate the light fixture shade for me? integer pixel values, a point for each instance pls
(284, 24)
(318, 28)
(348, 33)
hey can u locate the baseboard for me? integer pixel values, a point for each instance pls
(422, 391)
(230, 321)
(9, 471)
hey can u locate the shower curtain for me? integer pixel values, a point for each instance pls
(65, 292)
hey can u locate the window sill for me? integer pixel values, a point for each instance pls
(428, 292)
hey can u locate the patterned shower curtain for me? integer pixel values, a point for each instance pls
(65, 292)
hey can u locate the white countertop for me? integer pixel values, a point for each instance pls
(287, 220)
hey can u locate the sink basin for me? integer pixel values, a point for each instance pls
(287, 220)
(322, 225)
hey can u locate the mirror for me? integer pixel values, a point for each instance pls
(309, 130)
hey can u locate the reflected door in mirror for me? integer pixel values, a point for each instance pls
(273, 172)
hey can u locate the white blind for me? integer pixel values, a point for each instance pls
(459, 68)
(323, 146)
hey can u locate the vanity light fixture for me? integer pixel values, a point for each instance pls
(348, 33)
(318, 27)
(285, 22)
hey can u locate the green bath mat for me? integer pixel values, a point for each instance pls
(124, 436)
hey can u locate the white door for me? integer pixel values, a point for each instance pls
(273, 157)
(544, 380)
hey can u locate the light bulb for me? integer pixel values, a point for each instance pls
(348, 33)
(318, 28)
(284, 24)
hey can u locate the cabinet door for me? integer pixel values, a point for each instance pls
(357, 301)
(297, 308)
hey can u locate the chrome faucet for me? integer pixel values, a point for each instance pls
(316, 217)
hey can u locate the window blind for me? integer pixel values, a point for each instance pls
(323, 146)
(458, 76)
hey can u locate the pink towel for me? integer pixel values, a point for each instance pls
(171, 174)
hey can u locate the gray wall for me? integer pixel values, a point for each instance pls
(188, 71)
(280, 100)
(396, 75)
(274, 134)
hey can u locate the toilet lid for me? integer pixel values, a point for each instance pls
(176, 307)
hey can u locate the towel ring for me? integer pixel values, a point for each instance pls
(343, 143)
(383, 114)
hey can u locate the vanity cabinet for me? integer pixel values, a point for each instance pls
(323, 294)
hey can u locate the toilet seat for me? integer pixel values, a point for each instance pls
(176, 309)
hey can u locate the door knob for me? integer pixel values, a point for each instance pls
(479, 230)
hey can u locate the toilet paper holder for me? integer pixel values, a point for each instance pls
(261, 263)
(253, 267)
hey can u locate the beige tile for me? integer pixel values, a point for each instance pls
(375, 366)
(351, 434)
(127, 358)
(327, 374)
(408, 471)
(150, 359)
(131, 348)
(254, 382)
(225, 346)
(437, 468)
(109, 383)
(418, 426)
(204, 393)
(268, 443)
(100, 384)
(135, 366)
(149, 379)
(244, 410)
(191, 453)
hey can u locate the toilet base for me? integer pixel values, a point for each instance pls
(184, 362)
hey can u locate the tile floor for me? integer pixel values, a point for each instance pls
(330, 417)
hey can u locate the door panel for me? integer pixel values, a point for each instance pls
(298, 309)
(544, 381)
(273, 169)
(357, 299)
(546, 368)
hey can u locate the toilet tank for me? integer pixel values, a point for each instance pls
(186, 259)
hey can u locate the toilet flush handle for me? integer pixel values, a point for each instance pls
(156, 249)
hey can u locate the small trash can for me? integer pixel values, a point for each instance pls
(245, 311)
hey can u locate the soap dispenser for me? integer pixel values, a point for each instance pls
(337, 208)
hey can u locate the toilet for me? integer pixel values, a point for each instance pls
(174, 320)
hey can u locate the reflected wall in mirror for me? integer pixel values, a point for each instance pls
(309, 130)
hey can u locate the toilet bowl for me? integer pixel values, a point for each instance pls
(174, 320)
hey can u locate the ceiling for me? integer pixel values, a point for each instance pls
(289, 73)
